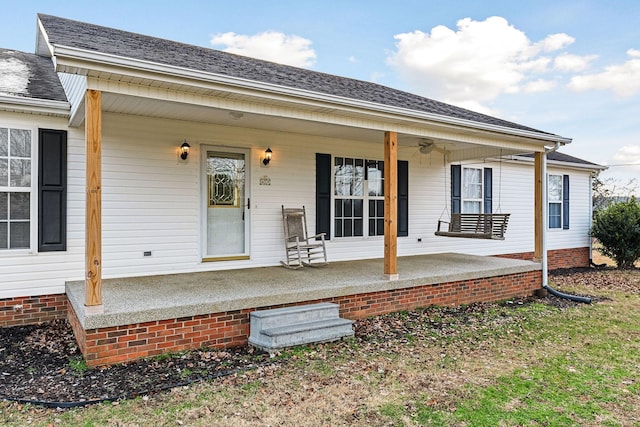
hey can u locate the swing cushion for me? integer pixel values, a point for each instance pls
(474, 225)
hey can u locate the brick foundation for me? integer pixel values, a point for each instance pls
(35, 309)
(111, 345)
(106, 346)
(559, 258)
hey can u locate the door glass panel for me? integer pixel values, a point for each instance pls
(225, 204)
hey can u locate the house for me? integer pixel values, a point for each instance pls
(138, 176)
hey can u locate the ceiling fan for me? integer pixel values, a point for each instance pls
(426, 146)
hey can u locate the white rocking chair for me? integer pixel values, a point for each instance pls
(301, 249)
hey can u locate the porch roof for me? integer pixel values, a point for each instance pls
(143, 299)
(107, 53)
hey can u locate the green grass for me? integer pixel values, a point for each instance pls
(578, 386)
(78, 366)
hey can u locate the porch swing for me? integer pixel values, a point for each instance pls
(473, 225)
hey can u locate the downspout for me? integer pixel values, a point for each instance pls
(545, 219)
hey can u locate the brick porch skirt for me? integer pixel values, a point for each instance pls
(228, 329)
(105, 346)
(559, 258)
(31, 310)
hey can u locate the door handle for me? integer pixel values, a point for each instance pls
(248, 203)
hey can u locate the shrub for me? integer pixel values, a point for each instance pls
(618, 230)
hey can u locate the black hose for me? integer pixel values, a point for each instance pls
(576, 298)
(593, 264)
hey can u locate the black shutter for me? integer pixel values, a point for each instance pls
(323, 194)
(403, 198)
(565, 202)
(52, 190)
(456, 188)
(488, 192)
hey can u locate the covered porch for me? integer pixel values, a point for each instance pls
(144, 316)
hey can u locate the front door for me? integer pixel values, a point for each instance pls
(227, 204)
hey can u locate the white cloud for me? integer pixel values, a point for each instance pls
(628, 155)
(623, 80)
(539, 85)
(271, 46)
(353, 59)
(476, 63)
(14, 77)
(573, 63)
(554, 42)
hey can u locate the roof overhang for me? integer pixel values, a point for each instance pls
(133, 77)
(34, 106)
(569, 165)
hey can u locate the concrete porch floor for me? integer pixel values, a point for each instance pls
(142, 299)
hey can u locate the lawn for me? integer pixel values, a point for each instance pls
(519, 363)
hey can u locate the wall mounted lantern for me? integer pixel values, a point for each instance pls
(267, 156)
(184, 150)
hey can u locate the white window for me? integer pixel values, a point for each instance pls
(15, 188)
(555, 197)
(471, 190)
(358, 197)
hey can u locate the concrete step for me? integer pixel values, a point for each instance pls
(298, 325)
(266, 319)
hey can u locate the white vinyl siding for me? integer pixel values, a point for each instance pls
(25, 272)
(151, 202)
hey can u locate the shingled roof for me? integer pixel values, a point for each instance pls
(557, 156)
(94, 38)
(25, 75)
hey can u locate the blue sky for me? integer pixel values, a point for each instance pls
(567, 67)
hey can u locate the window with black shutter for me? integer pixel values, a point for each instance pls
(357, 196)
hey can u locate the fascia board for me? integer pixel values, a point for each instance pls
(43, 47)
(568, 165)
(80, 58)
(33, 105)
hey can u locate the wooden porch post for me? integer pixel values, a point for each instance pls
(538, 206)
(93, 214)
(391, 205)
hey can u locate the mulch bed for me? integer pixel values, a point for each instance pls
(42, 364)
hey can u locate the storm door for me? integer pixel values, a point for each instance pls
(227, 204)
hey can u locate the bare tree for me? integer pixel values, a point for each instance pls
(607, 191)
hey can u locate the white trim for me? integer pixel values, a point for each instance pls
(482, 184)
(569, 165)
(556, 202)
(33, 105)
(33, 196)
(365, 198)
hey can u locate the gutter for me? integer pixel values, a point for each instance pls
(568, 165)
(545, 261)
(107, 61)
(44, 106)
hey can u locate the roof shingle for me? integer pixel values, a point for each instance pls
(27, 75)
(562, 157)
(65, 32)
